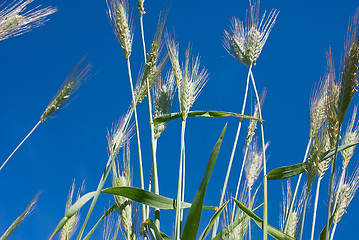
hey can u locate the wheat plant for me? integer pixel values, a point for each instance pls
(138, 210)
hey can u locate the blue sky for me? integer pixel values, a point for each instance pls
(72, 144)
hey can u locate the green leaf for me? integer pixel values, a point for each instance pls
(271, 230)
(296, 169)
(152, 229)
(145, 197)
(72, 211)
(108, 212)
(194, 215)
(218, 114)
(165, 237)
(287, 171)
(213, 220)
(228, 230)
(330, 153)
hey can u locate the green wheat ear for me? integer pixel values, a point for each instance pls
(69, 86)
(15, 21)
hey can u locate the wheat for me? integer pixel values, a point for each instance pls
(318, 107)
(117, 137)
(140, 7)
(351, 136)
(162, 101)
(71, 224)
(124, 205)
(246, 41)
(15, 21)
(332, 101)
(153, 69)
(118, 14)
(72, 82)
(349, 82)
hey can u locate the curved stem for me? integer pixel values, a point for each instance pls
(331, 186)
(265, 196)
(315, 208)
(297, 187)
(18, 146)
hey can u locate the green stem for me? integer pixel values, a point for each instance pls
(215, 227)
(331, 186)
(98, 191)
(265, 196)
(154, 157)
(239, 181)
(179, 186)
(137, 134)
(315, 208)
(333, 231)
(143, 38)
(109, 164)
(296, 187)
(303, 215)
(18, 146)
(249, 219)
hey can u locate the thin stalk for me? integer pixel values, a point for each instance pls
(303, 215)
(249, 219)
(28, 135)
(265, 196)
(315, 208)
(239, 181)
(153, 145)
(297, 187)
(333, 231)
(149, 189)
(215, 227)
(143, 38)
(331, 186)
(137, 135)
(179, 187)
(183, 177)
(109, 164)
(98, 191)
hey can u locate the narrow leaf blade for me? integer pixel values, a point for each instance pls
(271, 230)
(72, 211)
(217, 114)
(287, 171)
(152, 229)
(228, 230)
(213, 220)
(145, 197)
(108, 212)
(194, 216)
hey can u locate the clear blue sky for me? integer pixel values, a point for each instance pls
(72, 144)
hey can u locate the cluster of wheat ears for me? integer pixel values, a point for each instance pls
(244, 41)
